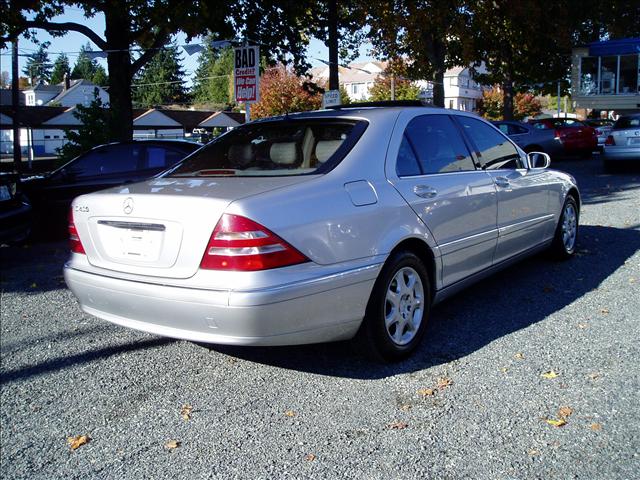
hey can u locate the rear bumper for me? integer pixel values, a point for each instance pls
(621, 153)
(318, 310)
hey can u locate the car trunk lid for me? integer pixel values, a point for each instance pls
(160, 228)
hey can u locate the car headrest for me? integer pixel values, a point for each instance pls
(240, 154)
(326, 148)
(284, 153)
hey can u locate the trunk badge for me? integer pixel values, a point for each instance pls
(127, 207)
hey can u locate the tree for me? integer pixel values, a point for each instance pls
(88, 68)
(94, 129)
(282, 91)
(426, 32)
(491, 105)
(161, 80)
(404, 89)
(60, 68)
(213, 82)
(38, 67)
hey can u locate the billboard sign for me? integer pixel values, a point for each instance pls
(246, 74)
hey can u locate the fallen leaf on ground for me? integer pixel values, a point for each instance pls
(310, 458)
(596, 427)
(565, 412)
(504, 369)
(518, 356)
(171, 444)
(556, 423)
(426, 392)
(604, 311)
(533, 452)
(185, 412)
(444, 382)
(582, 325)
(397, 426)
(405, 408)
(34, 285)
(290, 413)
(77, 441)
(550, 374)
(594, 375)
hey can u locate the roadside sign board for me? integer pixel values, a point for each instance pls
(331, 98)
(246, 74)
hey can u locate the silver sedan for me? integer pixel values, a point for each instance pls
(623, 142)
(317, 227)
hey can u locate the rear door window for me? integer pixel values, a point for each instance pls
(494, 150)
(275, 148)
(437, 144)
(111, 159)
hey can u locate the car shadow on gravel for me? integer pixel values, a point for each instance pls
(475, 317)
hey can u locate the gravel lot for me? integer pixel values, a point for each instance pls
(471, 404)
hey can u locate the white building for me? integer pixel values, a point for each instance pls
(65, 94)
(460, 90)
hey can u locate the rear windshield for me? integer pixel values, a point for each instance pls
(557, 123)
(274, 148)
(627, 122)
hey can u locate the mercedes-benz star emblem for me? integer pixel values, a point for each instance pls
(128, 205)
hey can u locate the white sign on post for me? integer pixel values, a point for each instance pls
(331, 98)
(246, 74)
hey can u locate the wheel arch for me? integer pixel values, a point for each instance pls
(422, 250)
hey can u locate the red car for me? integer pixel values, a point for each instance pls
(577, 138)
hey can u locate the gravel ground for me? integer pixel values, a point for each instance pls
(472, 402)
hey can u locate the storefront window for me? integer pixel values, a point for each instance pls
(589, 76)
(608, 74)
(628, 74)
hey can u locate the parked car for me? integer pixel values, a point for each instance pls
(318, 226)
(15, 210)
(101, 167)
(576, 137)
(532, 139)
(603, 127)
(623, 143)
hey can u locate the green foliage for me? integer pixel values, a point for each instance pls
(88, 68)
(38, 67)
(344, 96)
(282, 91)
(161, 80)
(93, 130)
(60, 67)
(491, 105)
(213, 82)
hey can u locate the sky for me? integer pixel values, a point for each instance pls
(71, 42)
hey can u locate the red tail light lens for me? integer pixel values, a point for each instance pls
(74, 239)
(610, 140)
(238, 243)
(559, 134)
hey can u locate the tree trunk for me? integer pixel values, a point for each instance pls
(438, 87)
(120, 75)
(507, 96)
(332, 44)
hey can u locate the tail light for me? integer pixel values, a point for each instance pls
(610, 140)
(74, 239)
(238, 243)
(559, 134)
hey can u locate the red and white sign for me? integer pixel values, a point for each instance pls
(246, 74)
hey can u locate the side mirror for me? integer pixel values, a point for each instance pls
(538, 160)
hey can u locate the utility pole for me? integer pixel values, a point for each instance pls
(15, 100)
(558, 98)
(333, 46)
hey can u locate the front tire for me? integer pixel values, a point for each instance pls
(398, 309)
(566, 235)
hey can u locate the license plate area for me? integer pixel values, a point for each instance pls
(634, 141)
(134, 242)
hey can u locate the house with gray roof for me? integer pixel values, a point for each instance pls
(68, 93)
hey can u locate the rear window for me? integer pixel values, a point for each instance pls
(275, 148)
(627, 122)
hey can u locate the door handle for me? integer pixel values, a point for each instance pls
(425, 191)
(502, 182)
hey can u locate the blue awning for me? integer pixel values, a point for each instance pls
(623, 46)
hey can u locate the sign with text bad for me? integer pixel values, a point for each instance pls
(246, 74)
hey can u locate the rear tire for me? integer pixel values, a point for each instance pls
(566, 235)
(398, 309)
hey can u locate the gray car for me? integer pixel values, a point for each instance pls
(623, 142)
(532, 139)
(318, 226)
